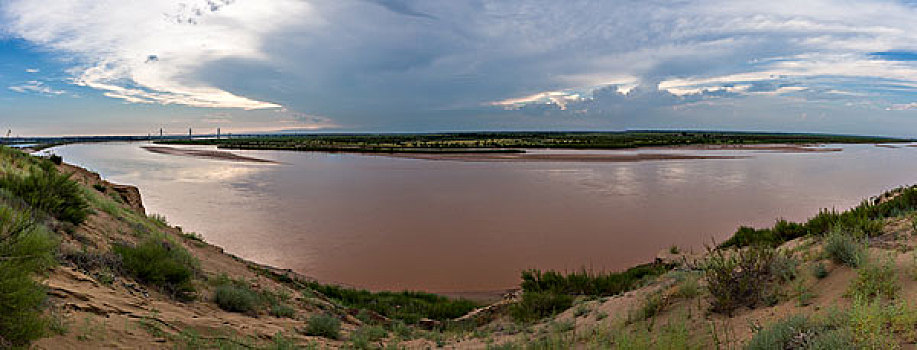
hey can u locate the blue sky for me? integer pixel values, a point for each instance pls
(129, 67)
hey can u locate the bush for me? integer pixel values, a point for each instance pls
(47, 190)
(161, 263)
(26, 250)
(234, 298)
(875, 280)
(537, 305)
(743, 278)
(819, 270)
(785, 267)
(844, 249)
(800, 332)
(283, 310)
(322, 325)
(56, 159)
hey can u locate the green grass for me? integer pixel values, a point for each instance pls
(160, 262)
(47, 190)
(536, 305)
(549, 292)
(864, 220)
(26, 251)
(322, 325)
(407, 306)
(588, 283)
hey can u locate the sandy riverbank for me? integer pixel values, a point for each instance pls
(222, 155)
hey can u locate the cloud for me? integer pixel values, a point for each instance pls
(148, 52)
(440, 64)
(32, 70)
(35, 86)
(902, 107)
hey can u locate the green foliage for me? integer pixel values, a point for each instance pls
(844, 249)
(875, 280)
(322, 325)
(801, 332)
(819, 270)
(868, 323)
(407, 306)
(160, 262)
(234, 298)
(26, 250)
(784, 267)
(588, 283)
(742, 278)
(282, 310)
(365, 335)
(537, 305)
(864, 220)
(49, 191)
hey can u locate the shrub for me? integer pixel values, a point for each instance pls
(875, 280)
(283, 310)
(235, 298)
(844, 249)
(26, 250)
(785, 267)
(746, 236)
(688, 285)
(742, 278)
(47, 190)
(819, 270)
(322, 325)
(537, 305)
(56, 159)
(370, 333)
(801, 332)
(867, 321)
(162, 263)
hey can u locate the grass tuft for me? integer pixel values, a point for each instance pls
(162, 263)
(322, 325)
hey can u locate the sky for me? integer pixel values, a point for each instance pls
(95, 67)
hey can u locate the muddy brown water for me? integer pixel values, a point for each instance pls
(389, 223)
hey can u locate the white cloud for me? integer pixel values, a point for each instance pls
(902, 107)
(150, 51)
(32, 70)
(35, 86)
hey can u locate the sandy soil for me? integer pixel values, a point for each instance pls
(221, 155)
(780, 148)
